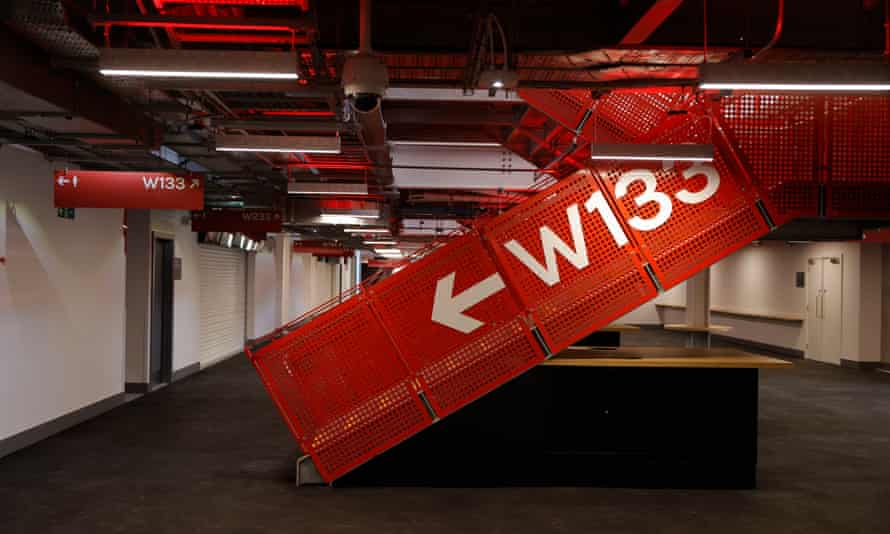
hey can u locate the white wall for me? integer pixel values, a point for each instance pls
(885, 304)
(311, 283)
(61, 300)
(760, 280)
(261, 289)
(186, 296)
(651, 314)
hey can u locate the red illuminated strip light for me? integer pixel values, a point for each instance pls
(301, 3)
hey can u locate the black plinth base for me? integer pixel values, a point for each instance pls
(599, 426)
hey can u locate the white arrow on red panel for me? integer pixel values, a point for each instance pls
(63, 181)
(448, 308)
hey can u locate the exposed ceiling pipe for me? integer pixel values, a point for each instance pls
(455, 198)
(887, 30)
(780, 21)
(364, 27)
(364, 82)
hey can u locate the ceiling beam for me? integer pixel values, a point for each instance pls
(459, 114)
(302, 24)
(282, 124)
(28, 69)
(650, 21)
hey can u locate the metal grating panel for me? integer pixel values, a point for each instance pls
(694, 235)
(859, 159)
(777, 136)
(635, 115)
(564, 106)
(612, 283)
(456, 367)
(342, 388)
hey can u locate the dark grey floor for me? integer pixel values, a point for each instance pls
(210, 454)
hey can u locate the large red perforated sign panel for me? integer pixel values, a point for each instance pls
(470, 341)
(609, 282)
(777, 137)
(859, 156)
(342, 388)
(682, 219)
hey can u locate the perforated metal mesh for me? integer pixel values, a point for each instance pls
(565, 106)
(777, 135)
(635, 114)
(695, 235)
(455, 367)
(859, 164)
(586, 299)
(341, 386)
(619, 116)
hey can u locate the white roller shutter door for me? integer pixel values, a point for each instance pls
(223, 295)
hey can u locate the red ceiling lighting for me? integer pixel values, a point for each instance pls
(294, 112)
(241, 38)
(331, 166)
(302, 4)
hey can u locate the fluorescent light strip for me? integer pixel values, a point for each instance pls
(380, 242)
(343, 193)
(339, 219)
(647, 158)
(282, 150)
(446, 143)
(839, 87)
(387, 251)
(200, 74)
(366, 230)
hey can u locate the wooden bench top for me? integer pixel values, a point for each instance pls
(664, 357)
(714, 328)
(615, 327)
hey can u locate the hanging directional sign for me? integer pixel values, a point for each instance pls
(244, 221)
(137, 190)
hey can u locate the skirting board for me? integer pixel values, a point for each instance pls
(865, 366)
(756, 345)
(186, 371)
(141, 388)
(40, 432)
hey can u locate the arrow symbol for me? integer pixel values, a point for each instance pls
(448, 308)
(62, 181)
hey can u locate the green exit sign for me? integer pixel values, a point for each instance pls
(65, 213)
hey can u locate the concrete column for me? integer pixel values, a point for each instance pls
(283, 251)
(698, 299)
(870, 309)
(250, 301)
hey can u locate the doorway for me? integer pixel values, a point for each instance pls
(824, 308)
(161, 343)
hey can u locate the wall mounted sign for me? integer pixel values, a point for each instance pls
(135, 190)
(249, 222)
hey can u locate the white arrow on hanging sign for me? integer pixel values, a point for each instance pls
(448, 308)
(62, 181)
